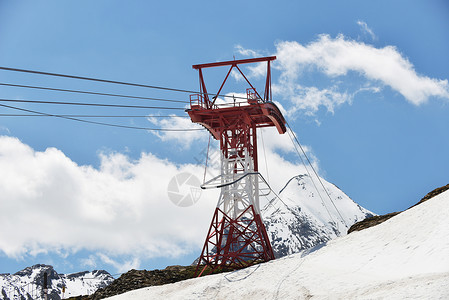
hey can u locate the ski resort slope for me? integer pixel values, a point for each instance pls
(406, 257)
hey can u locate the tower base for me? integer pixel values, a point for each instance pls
(234, 243)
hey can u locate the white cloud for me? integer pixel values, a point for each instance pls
(246, 52)
(184, 138)
(257, 70)
(336, 57)
(274, 147)
(236, 75)
(310, 99)
(89, 262)
(121, 267)
(5, 129)
(49, 204)
(273, 141)
(365, 29)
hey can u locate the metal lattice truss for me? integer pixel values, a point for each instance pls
(236, 161)
(237, 236)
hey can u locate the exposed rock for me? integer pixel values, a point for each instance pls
(433, 193)
(370, 222)
(305, 217)
(376, 220)
(136, 279)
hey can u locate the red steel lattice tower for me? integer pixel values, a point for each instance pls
(237, 236)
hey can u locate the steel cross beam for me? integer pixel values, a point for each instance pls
(234, 62)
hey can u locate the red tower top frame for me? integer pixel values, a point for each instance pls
(256, 111)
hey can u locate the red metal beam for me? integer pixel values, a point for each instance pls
(234, 62)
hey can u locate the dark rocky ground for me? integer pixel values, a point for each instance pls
(136, 279)
(373, 221)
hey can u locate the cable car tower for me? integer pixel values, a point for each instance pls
(237, 236)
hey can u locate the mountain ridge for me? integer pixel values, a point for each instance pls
(376, 220)
(306, 214)
(28, 283)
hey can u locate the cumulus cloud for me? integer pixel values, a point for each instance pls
(309, 99)
(337, 56)
(337, 59)
(49, 203)
(273, 164)
(119, 211)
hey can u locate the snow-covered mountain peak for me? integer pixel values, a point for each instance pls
(28, 283)
(307, 215)
(29, 271)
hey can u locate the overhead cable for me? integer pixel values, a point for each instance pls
(290, 133)
(316, 174)
(94, 116)
(96, 79)
(114, 82)
(99, 123)
(89, 104)
(90, 92)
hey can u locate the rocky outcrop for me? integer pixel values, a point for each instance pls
(370, 222)
(433, 193)
(376, 220)
(136, 279)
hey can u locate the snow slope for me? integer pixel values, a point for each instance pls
(305, 218)
(404, 257)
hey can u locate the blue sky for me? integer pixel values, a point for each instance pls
(363, 84)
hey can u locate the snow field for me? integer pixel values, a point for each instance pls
(404, 257)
